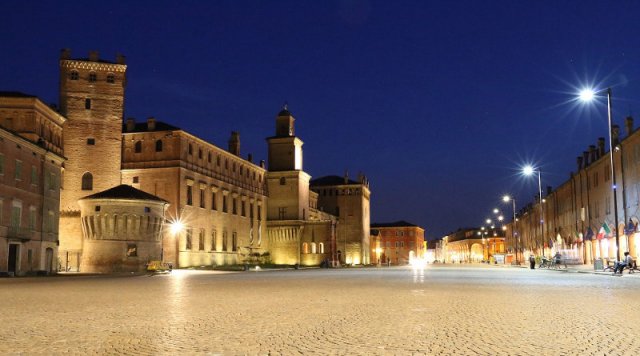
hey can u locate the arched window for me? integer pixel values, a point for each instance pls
(138, 146)
(305, 248)
(313, 248)
(74, 75)
(321, 247)
(159, 146)
(87, 181)
(111, 78)
(93, 77)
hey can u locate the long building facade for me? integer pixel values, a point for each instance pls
(31, 160)
(221, 208)
(577, 218)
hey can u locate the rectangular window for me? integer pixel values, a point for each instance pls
(607, 173)
(91, 141)
(243, 211)
(224, 241)
(189, 195)
(16, 216)
(32, 218)
(132, 250)
(136, 180)
(282, 212)
(259, 212)
(234, 206)
(1, 210)
(234, 241)
(18, 172)
(201, 240)
(202, 198)
(188, 238)
(53, 181)
(213, 201)
(224, 203)
(214, 242)
(1, 163)
(251, 210)
(34, 175)
(87, 104)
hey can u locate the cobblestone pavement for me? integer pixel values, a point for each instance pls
(442, 310)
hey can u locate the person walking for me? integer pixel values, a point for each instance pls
(532, 261)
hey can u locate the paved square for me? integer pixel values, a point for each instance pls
(439, 310)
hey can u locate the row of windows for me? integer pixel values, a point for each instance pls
(214, 244)
(93, 77)
(213, 202)
(15, 221)
(137, 148)
(312, 248)
(50, 179)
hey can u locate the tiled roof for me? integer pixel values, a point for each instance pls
(124, 191)
(400, 223)
(331, 180)
(15, 94)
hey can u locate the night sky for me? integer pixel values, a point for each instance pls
(439, 103)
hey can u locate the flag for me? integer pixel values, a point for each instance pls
(604, 231)
(630, 229)
(589, 235)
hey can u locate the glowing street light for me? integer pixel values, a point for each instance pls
(176, 227)
(528, 171)
(588, 95)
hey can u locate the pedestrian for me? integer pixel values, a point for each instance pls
(620, 265)
(532, 261)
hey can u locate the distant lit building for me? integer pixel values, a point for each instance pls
(400, 241)
(473, 245)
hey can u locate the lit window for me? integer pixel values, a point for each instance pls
(132, 250)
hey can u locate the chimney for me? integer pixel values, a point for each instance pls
(120, 59)
(234, 143)
(262, 164)
(585, 158)
(250, 158)
(600, 147)
(579, 161)
(131, 124)
(615, 135)
(549, 190)
(93, 56)
(346, 177)
(628, 125)
(592, 153)
(151, 124)
(65, 53)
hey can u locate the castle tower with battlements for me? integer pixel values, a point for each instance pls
(92, 100)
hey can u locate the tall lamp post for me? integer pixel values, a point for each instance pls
(529, 170)
(588, 95)
(506, 199)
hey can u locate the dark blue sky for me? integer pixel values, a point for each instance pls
(438, 102)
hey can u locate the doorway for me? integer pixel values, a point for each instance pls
(13, 258)
(49, 260)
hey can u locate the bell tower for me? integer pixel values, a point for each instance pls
(288, 184)
(285, 149)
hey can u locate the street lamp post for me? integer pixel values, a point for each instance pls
(588, 95)
(528, 170)
(506, 199)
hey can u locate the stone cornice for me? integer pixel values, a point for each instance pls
(101, 66)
